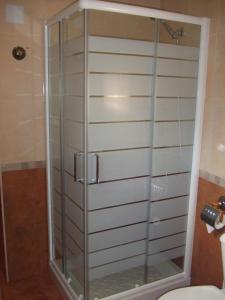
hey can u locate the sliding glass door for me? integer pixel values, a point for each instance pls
(121, 89)
(122, 101)
(66, 114)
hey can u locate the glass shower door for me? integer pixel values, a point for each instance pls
(173, 138)
(66, 119)
(122, 95)
(120, 75)
(74, 149)
(54, 75)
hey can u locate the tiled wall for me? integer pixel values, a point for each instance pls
(207, 263)
(22, 123)
(26, 232)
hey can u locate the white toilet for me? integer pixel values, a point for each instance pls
(205, 292)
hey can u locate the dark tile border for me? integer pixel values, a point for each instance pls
(212, 178)
(23, 166)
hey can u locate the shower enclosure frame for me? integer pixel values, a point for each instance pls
(150, 290)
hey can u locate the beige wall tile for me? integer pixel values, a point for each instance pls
(174, 5)
(215, 84)
(21, 82)
(18, 143)
(15, 113)
(145, 3)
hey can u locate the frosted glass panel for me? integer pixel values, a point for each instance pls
(55, 148)
(173, 137)
(120, 132)
(73, 146)
(122, 122)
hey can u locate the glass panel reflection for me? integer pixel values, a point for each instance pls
(73, 145)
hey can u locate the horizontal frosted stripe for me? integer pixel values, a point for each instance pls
(69, 159)
(74, 108)
(124, 164)
(56, 201)
(55, 129)
(116, 253)
(166, 256)
(53, 51)
(167, 227)
(173, 133)
(74, 64)
(74, 259)
(74, 232)
(73, 46)
(58, 248)
(171, 160)
(176, 87)
(174, 109)
(116, 85)
(74, 190)
(177, 51)
(119, 136)
(120, 64)
(55, 154)
(170, 67)
(119, 109)
(58, 241)
(75, 214)
(54, 85)
(73, 247)
(117, 216)
(53, 66)
(167, 243)
(58, 235)
(170, 208)
(170, 186)
(74, 134)
(116, 267)
(74, 84)
(54, 106)
(116, 236)
(57, 219)
(118, 192)
(56, 180)
(53, 61)
(114, 45)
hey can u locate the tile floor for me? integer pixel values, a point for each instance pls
(35, 288)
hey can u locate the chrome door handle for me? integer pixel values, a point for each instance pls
(97, 169)
(75, 167)
(75, 176)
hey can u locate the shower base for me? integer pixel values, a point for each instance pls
(126, 280)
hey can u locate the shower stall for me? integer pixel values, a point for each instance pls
(124, 89)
